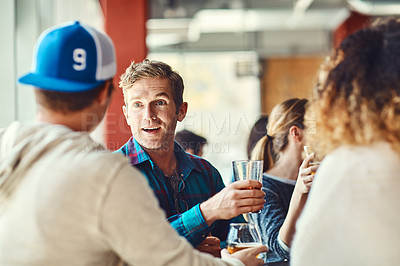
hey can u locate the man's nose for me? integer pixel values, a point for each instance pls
(149, 113)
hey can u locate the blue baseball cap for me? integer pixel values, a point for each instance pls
(71, 57)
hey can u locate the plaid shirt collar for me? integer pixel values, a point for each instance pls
(138, 155)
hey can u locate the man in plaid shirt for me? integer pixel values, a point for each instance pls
(189, 188)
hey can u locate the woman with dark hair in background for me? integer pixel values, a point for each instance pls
(191, 142)
(283, 182)
(352, 215)
(258, 131)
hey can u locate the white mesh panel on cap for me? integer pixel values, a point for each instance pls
(106, 65)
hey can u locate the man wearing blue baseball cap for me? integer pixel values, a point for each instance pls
(63, 199)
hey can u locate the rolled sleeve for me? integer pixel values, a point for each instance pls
(191, 225)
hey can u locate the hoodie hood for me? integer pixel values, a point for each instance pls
(21, 145)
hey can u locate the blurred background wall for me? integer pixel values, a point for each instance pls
(238, 58)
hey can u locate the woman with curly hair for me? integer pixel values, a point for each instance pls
(352, 213)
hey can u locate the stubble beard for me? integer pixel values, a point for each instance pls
(160, 145)
(163, 144)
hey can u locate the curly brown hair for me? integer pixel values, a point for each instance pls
(357, 100)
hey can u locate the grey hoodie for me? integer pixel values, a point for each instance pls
(65, 201)
(22, 146)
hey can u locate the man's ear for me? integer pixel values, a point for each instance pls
(296, 133)
(104, 96)
(182, 111)
(125, 111)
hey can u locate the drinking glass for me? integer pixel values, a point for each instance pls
(248, 170)
(242, 236)
(308, 150)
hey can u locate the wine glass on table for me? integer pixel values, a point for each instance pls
(242, 236)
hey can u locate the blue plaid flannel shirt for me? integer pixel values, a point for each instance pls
(202, 181)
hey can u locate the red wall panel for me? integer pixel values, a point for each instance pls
(125, 23)
(353, 23)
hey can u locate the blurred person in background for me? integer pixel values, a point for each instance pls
(188, 188)
(191, 142)
(287, 178)
(258, 131)
(351, 217)
(64, 200)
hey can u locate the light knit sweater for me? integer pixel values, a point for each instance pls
(64, 202)
(352, 214)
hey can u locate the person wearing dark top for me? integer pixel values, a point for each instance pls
(285, 184)
(258, 131)
(191, 142)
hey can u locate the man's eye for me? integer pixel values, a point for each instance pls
(161, 103)
(137, 105)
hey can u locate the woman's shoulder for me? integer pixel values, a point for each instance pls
(367, 156)
(271, 180)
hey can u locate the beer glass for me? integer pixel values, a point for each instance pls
(248, 170)
(241, 236)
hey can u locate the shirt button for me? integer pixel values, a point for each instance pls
(203, 235)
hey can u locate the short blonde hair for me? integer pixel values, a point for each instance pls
(357, 101)
(153, 69)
